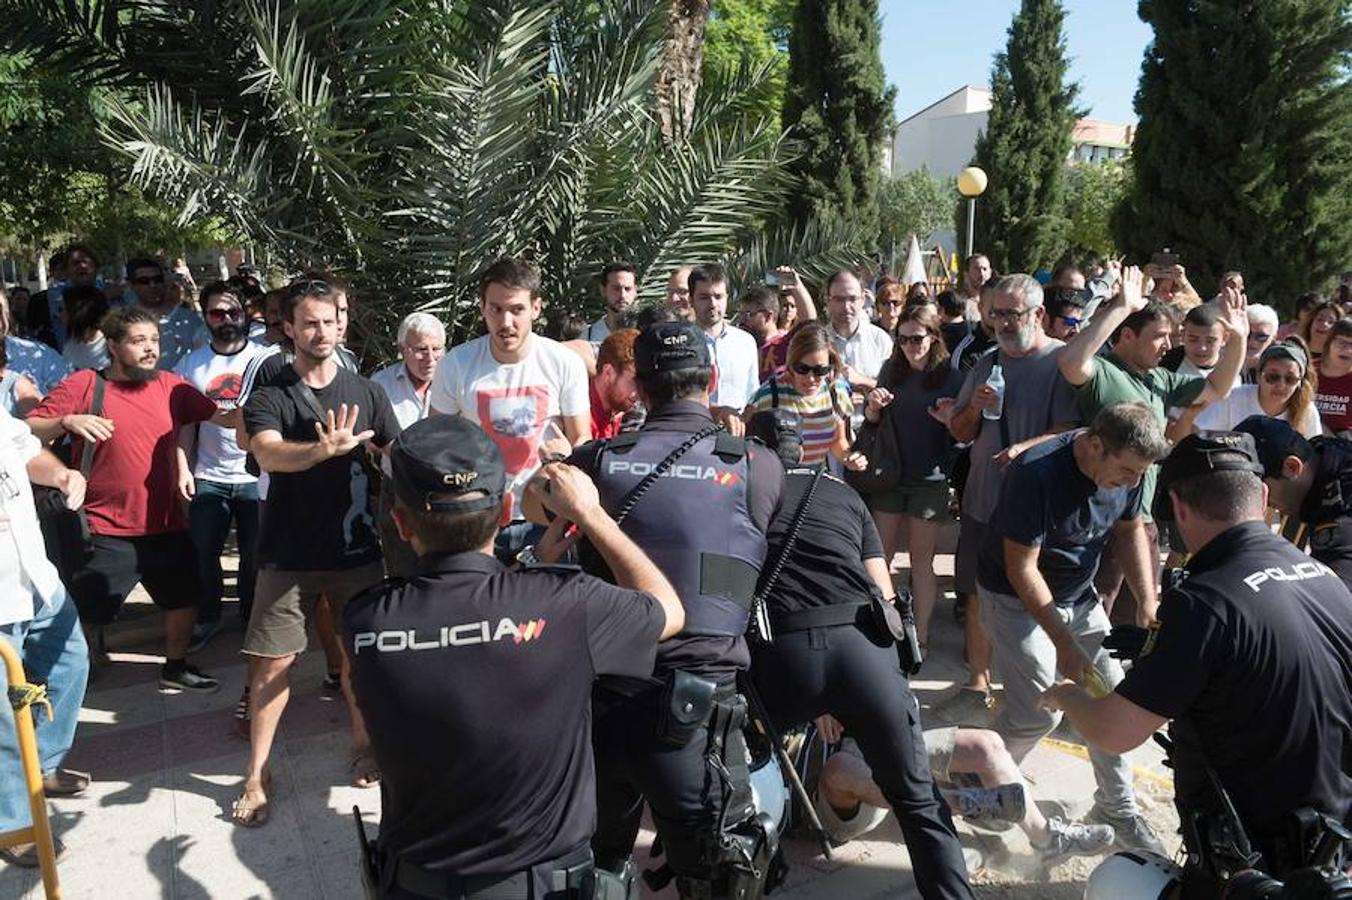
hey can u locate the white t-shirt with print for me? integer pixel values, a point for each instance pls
(220, 376)
(515, 403)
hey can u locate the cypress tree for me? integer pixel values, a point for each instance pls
(1243, 157)
(1021, 223)
(838, 106)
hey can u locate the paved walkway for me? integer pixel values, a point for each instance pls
(167, 766)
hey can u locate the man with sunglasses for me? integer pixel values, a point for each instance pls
(1065, 311)
(181, 329)
(221, 489)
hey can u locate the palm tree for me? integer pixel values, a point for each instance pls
(408, 144)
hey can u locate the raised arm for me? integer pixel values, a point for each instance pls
(1235, 321)
(1078, 358)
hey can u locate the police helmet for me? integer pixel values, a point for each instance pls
(1135, 875)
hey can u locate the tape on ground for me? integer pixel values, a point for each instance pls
(1082, 752)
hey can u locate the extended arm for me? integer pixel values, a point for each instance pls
(1113, 723)
(1137, 567)
(1077, 360)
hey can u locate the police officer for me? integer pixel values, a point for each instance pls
(476, 680)
(698, 501)
(1310, 482)
(1252, 662)
(828, 655)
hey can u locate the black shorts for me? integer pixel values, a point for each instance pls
(165, 564)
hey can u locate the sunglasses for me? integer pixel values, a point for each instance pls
(149, 279)
(1274, 378)
(818, 371)
(1071, 321)
(233, 314)
(313, 287)
(915, 340)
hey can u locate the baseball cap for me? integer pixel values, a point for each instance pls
(1201, 454)
(670, 346)
(1274, 440)
(447, 464)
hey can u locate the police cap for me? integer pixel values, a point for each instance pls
(778, 429)
(669, 346)
(447, 464)
(1275, 440)
(1201, 454)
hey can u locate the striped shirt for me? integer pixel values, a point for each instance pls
(818, 414)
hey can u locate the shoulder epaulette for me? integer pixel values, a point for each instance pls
(729, 448)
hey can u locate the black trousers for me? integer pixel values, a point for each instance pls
(838, 670)
(683, 792)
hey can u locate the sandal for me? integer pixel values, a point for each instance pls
(364, 769)
(251, 809)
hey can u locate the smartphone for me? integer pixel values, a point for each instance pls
(772, 279)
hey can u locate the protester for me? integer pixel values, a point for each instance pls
(221, 490)
(1305, 306)
(309, 430)
(77, 266)
(136, 522)
(181, 329)
(614, 390)
(862, 346)
(812, 387)
(40, 623)
(18, 394)
(619, 290)
(891, 300)
(1319, 327)
(527, 392)
(43, 366)
(981, 337)
(735, 359)
(1262, 332)
(1036, 404)
(976, 272)
(916, 293)
(1285, 390)
(1065, 310)
(1333, 394)
(677, 296)
(82, 313)
(914, 398)
(956, 328)
(758, 316)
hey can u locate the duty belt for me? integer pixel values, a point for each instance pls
(821, 617)
(565, 878)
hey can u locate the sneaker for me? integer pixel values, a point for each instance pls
(188, 678)
(1133, 831)
(1067, 839)
(202, 633)
(1006, 804)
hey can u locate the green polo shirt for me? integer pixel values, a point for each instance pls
(1161, 390)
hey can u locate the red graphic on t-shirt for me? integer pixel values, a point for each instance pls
(225, 386)
(514, 418)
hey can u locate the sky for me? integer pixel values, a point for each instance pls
(931, 50)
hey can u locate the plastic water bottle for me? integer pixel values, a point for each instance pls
(997, 381)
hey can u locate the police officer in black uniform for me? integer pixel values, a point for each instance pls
(1309, 481)
(476, 680)
(829, 654)
(698, 501)
(1252, 662)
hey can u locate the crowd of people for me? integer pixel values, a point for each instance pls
(721, 460)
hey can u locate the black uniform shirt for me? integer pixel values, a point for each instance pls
(827, 563)
(476, 684)
(1253, 662)
(1328, 506)
(699, 654)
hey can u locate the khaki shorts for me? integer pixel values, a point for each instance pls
(284, 601)
(939, 744)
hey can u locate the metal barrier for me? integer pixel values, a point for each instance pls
(23, 695)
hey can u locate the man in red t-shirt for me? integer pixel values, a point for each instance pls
(614, 391)
(138, 532)
(1333, 393)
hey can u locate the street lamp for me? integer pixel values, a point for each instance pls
(971, 184)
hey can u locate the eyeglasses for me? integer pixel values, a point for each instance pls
(1274, 378)
(224, 314)
(149, 279)
(1011, 315)
(891, 304)
(817, 371)
(915, 340)
(1259, 336)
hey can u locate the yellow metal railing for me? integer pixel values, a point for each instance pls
(23, 695)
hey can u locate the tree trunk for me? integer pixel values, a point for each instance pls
(678, 76)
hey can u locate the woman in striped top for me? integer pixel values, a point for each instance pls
(810, 385)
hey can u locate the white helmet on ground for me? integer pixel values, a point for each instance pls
(1137, 875)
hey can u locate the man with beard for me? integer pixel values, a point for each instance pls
(309, 430)
(735, 362)
(619, 288)
(181, 329)
(137, 531)
(220, 488)
(614, 390)
(677, 297)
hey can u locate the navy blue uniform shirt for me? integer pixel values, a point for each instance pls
(476, 681)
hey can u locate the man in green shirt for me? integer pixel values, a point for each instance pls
(1139, 330)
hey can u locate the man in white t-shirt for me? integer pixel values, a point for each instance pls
(222, 490)
(619, 288)
(527, 392)
(735, 354)
(408, 383)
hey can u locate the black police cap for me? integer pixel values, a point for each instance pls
(670, 346)
(1275, 440)
(1201, 454)
(447, 464)
(778, 429)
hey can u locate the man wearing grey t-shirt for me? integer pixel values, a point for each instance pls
(1038, 403)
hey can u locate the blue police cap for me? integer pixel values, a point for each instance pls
(447, 464)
